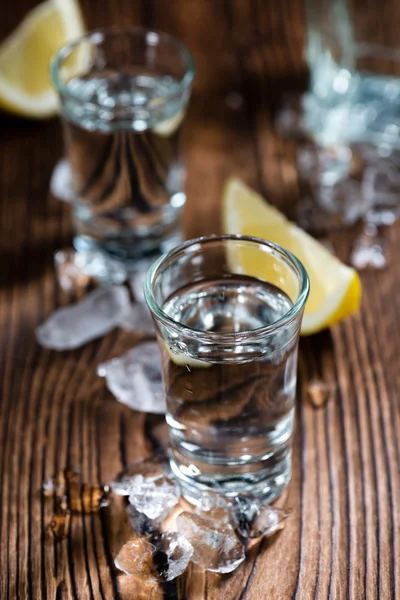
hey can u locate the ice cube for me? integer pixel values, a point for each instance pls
(136, 558)
(289, 123)
(320, 392)
(383, 215)
(333, 176)
(147, 467)
(215, 545)
(137, 318)
(172, 555)
(381, 185)
(253, 519)
(141, 524)
(213, 506)
(155, 559)
(95, 315)
(61, 181)
(154, 496)
(381, 182)
(135, 378)
(48, 487)
(75, 270)
(137, 276)
(69, 274)
(369, 250)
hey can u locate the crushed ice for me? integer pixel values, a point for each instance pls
(369, 250)
(214, 535)
(148, 467)
(137, 275)
(75, 270)
(94, 316)
(155, 558)
(61, 181)
(137, 318)
(135, 378)
(254, 519)
(154, 496)
(216, 545)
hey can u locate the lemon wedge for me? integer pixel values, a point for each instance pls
(335, 289)
(25, 84)
(183, 360)
(169, 126)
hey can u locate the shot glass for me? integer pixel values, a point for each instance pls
(352, 110)
(228, 311)
(124, 94)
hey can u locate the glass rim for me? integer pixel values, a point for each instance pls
(210, 336)
(98, 35)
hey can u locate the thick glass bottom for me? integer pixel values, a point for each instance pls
(255, 477)
(130, 245)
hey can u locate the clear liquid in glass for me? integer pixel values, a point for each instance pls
(231, 415)
(122, 142)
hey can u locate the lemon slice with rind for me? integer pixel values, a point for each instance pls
(25, 84)
(169, 126)
(335, 289)
(183, 360)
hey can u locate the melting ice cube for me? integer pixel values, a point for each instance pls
(148, 467)
(95, 315)
(137, 318)
(154, 496)
(215, 545)
(213, 506)
(61, 181)
(369, 250)
(135, 378)
(75, 270)
(155, 558)
(254, 519)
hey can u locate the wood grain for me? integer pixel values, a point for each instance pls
(343, 538)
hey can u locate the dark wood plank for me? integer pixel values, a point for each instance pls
(343, 538)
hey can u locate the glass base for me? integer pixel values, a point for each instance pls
(130, 249)
(266, 484)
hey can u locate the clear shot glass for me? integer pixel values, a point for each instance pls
(124, 95)
(228, 312)
(352, 112)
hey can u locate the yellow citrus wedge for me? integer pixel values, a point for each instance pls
(25, 84)
(168, 127)
(335, 290)
(183, 360)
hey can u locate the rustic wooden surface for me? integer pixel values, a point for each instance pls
(343, 538)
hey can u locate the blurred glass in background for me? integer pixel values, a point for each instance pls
(352, 110)
(124, 94)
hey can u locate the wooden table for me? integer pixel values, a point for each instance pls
(343, 538)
